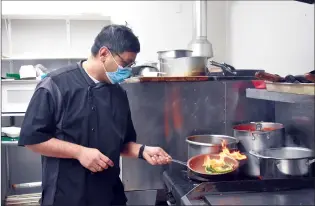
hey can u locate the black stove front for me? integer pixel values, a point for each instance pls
(179, 182)
(237, 190)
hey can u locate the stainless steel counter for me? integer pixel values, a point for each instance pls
(165, 113)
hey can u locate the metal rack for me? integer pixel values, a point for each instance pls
(68, 19)
(27, 199)
(263, 94)
(8, 142)
(16, 199)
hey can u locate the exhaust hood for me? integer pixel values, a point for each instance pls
(200, 44)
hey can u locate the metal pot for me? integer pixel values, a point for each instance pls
(163, 57)
(209, 144)
(174, 54)
(284, 161)
(145, 70)
(258, 136)
(184, 66)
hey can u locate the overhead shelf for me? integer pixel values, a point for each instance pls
(263, 94)
(15, 114)
(61, 17)
(41, 58)
(71, 40)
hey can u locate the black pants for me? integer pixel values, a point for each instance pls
(120, 197)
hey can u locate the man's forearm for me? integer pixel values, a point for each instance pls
(131, 149)
(57, 148)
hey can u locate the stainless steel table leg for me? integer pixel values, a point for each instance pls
(7, 162)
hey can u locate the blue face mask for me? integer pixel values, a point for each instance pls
(119, 75)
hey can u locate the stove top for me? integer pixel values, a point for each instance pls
(179, 184)
(237, 190)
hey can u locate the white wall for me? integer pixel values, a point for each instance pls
(160, 25)
(277, 36)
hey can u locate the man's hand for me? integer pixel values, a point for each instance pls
(93, 159)
(156, 156)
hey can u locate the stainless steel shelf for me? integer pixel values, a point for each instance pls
(27, 185)
(279, 96)
(13, 114)
(24, 199)
(9, 141)
(34, 58)
(82, 16)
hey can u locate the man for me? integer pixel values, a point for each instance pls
(79, 121)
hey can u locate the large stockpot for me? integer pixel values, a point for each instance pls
(174, 54)
(163, 56)
(284, 162)
(209, 144)
(184, 66)
(258, 136)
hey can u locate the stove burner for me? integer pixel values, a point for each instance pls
(191, 177)
(217, 178)
(182, 182)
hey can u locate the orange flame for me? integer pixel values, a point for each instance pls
(213, 162)
(226, 152)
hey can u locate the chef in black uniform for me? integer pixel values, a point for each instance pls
(79, 121)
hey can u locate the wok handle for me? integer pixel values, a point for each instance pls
(252, 152)
(225, 68)
(179, 162)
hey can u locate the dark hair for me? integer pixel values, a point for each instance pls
(117, 38)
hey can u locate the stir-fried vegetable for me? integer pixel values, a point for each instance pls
(217, 166)
(219, 169)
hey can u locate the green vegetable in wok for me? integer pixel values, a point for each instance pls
(219, 169)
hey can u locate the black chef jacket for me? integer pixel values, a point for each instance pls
(69, 106)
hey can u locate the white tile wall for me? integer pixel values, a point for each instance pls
(277, 36)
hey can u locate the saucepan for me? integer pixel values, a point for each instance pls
(209, 144)
(195, 165)
(284, 161)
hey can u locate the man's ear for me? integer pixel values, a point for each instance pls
(103, 53)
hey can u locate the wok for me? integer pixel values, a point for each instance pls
(229, 70)
(194, 165)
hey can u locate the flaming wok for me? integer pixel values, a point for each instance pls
(209, 165)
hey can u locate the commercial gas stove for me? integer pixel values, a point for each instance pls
(237, 190)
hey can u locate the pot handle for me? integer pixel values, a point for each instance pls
(252, 152)
(310, 162)
(180, 162)
(254, 137)
(259, 126)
